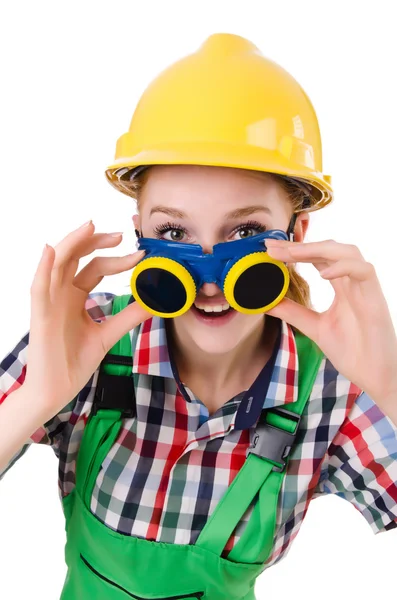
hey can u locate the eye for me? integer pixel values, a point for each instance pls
(248, 229)
(170, 232)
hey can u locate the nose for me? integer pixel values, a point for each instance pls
(210, 290)
(208, 240)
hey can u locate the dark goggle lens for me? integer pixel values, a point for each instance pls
(161, 290)
(259, 285)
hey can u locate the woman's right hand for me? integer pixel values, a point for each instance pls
(65, 345)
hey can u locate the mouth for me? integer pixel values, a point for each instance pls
(218, 314)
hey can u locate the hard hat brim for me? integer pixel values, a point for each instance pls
(222, 155)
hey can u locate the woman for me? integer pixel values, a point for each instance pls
(190, 478)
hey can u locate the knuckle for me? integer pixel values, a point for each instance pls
(95, 262)
(355, 250)
(56, 266)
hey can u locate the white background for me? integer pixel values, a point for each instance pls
(71, 74)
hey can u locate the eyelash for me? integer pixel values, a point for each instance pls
(160, 230)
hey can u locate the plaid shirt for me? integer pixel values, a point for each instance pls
(172, 463)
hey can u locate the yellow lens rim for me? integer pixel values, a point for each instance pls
(239, 267)
(167, 264)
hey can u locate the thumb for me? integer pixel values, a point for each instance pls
(119, 324)
(303, 318)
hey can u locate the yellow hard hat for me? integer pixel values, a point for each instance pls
(225, 105)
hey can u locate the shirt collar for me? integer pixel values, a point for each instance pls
(151, 357)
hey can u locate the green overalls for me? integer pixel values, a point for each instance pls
(104, 564)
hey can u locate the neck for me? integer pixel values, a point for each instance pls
(223, 369)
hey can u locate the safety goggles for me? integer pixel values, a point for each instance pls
(166, 280)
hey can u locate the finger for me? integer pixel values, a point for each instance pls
(113, 329)
(292, 255)
(288, 256)
(96, 242)
(40, 288)
(355, 269)
(64, 249)
(98, 267)
(328, 250)
(341, 285)
(84, 248)
(284, 255)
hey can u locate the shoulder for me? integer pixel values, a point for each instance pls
(333, 397)
(331, 391)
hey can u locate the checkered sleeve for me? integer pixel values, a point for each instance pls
(12, 376)
(361, 464)
(13, 372)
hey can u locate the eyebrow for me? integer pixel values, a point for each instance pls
(234, 214)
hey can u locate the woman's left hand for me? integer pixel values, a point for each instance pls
(356, 333)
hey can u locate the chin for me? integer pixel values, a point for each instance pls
(217, 335)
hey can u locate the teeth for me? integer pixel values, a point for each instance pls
(215, 308)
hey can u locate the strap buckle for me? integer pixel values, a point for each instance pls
(273, 443)
(115, 392)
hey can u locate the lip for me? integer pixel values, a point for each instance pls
(213, 321)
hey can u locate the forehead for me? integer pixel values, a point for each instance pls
(183, 186)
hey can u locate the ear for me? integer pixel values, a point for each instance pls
(137, 224)
(301, 225)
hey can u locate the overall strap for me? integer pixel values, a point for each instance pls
(114, 400)
(263, 470)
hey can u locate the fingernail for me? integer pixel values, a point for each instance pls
(85, 224)
(272, 242)
(116, 234)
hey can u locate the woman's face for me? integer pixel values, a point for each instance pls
(206, 205)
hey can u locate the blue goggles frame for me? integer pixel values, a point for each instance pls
(204, 267)
(166, 280)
